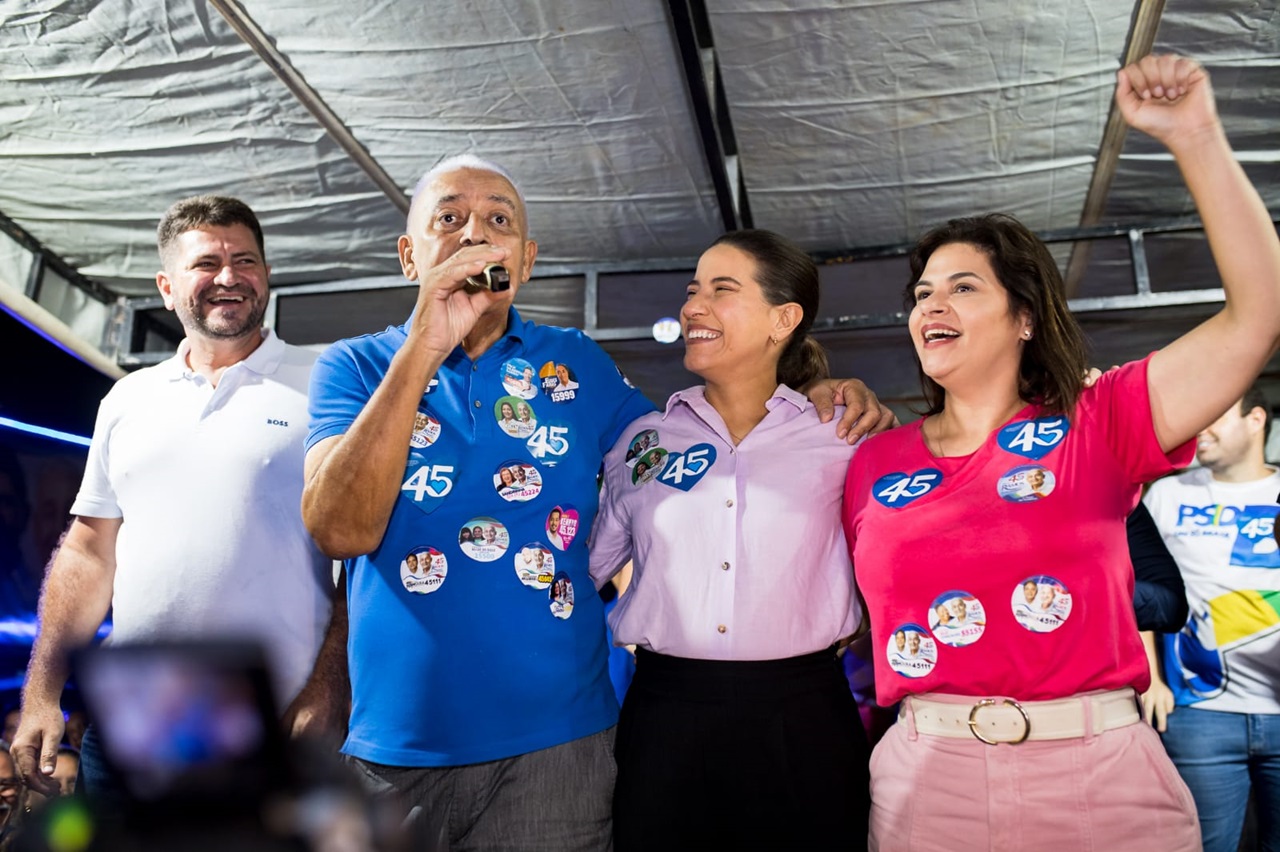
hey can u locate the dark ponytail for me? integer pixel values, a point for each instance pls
(786, 274)
(802, 361)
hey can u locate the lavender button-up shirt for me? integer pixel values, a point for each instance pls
(738, 551)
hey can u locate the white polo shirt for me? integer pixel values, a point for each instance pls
(209, 484)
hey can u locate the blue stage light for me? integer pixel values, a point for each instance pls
(65, 437)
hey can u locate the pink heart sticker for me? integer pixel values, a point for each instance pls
(562, 526)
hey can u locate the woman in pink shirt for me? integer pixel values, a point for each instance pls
(739, 730)
(1026, 734)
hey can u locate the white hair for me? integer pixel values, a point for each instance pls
(463, 161)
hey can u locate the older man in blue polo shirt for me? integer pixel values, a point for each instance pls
(480, 691)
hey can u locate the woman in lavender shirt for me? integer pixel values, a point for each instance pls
(739, 730)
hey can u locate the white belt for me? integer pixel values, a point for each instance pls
(1003, 720)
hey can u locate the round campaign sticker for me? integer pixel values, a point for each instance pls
(426, 430)
(517, 481)
(423, 570)
(957, 619)
(558, 381)
(535, 565)
(648, 466)
(562, 526)
(484, 539)
(1026, 484)
(912, 651)
(519, 379)
(1041, 604)
(515, 416)
(640, 444)
(561, 596)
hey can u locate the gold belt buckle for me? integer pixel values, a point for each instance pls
(991, 702)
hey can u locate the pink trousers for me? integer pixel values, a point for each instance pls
(1111, 792)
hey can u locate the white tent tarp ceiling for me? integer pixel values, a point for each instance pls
(867, 123)
(116, 109)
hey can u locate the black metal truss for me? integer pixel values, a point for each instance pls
(46, 260)
(701, 69)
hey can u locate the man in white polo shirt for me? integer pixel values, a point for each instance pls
(188, 519)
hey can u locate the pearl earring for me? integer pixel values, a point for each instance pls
(1026, 332)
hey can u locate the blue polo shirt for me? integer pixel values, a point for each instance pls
(463, 652)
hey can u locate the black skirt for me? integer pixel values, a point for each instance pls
(740, 755)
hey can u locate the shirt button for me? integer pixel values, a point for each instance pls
(721, 629)
(475, 367)
(724, 566)
(728, 503)
(477, 403)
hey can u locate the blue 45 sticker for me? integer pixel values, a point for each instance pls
(548, 443)
(1254, 547)
(428, 482)
(1033, 439)
(685, 470)
(896, 490)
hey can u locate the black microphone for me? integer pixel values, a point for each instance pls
(494, 278)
